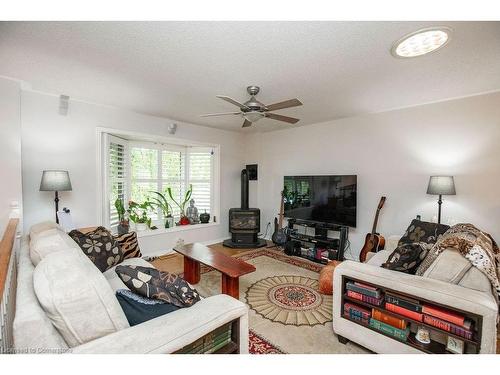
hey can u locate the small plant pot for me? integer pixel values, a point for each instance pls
(204, 218)
(123, 227)
(184, 221)
(141, 226)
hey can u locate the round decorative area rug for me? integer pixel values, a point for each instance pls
(290, 300)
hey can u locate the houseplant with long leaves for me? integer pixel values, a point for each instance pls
(162, 203)
(182, 204)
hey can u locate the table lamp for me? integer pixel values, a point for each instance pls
(56, 181)
(441, 185)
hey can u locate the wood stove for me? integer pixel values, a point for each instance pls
(244, 222)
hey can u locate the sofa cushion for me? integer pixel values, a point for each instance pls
(378, 258)
(129, 245)
(48, 242)
(42, 227)
(451, 267)
(100, 246)
(139, 309)
(407, 257)
(423, 231)
(77, 298)
(32, 328)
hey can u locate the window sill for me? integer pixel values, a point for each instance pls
(180, 228)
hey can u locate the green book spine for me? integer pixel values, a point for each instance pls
(400, 334)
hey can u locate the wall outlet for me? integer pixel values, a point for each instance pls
(179, 242)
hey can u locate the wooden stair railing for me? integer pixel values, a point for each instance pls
(8, 281)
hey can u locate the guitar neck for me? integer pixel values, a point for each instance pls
(282, 208)
(375, 222)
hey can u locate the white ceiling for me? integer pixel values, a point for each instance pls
(175, 69)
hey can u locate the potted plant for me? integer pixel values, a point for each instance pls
(182, 205)
(138, 213)
(123, 225)
(162, 203)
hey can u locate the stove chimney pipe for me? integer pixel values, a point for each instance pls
(244, 189)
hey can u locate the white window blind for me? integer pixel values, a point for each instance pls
(200, 176)
(117, 176)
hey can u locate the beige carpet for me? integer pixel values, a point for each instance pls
(296, 318)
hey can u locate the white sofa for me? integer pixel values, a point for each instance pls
(450, 281)
(93, 321)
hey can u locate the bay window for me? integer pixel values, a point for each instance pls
(136, 169)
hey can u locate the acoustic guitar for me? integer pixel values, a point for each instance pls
(279, 236)
(373, 241)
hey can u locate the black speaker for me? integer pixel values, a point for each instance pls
(289, 248)
(252, 172)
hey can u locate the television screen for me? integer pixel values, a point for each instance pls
(330, 199)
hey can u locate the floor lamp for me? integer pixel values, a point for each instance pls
(441, 185)
(55, 181)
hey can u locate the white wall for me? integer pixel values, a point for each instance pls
(393, 154)
(10, 148)
(52, 141)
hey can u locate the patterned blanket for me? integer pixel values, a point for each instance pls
(476, 246)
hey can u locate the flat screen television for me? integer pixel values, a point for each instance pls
(329, 199)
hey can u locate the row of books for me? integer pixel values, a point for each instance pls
(210, 343)
(357, 313)
(438, 317)
(378, 320)
(365, 293)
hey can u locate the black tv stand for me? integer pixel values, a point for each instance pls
(316, 241)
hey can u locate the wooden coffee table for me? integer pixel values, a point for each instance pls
(230, 268)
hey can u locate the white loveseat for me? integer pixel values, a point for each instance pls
(450, 281)
(59, 286)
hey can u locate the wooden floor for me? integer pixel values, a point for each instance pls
(174, 263)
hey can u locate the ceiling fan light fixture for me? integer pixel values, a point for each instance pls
(421, 42)
(253, 116)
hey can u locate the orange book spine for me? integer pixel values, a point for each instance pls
(444, 315)
(388, 319)
(401, 311)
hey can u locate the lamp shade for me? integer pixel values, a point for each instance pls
(55, 181)
(441, 185)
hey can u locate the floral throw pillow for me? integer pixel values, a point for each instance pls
(151, 283)
(423, 231)
(100, 246)
(407, 257)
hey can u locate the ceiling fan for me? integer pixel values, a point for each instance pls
(253, 110)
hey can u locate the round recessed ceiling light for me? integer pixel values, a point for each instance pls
(421, 42)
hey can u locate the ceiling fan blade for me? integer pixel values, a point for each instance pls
(275, 116)
(232, 101)
(246, 124)
(220, 114)
(285, 104)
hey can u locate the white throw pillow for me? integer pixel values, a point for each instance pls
(42, 227)
(48, 242)
(77, 298)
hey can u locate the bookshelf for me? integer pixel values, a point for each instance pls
(438, 336)
(207, 342)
